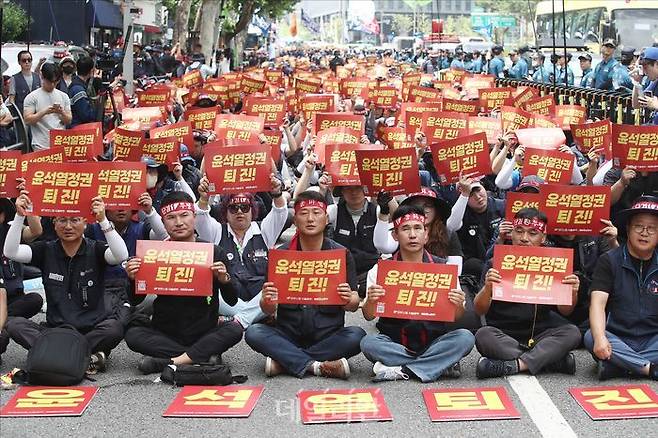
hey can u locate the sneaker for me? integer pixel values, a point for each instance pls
(495, 368)
(272, 367)
(150, 365)
(653, 371)
(566, 365)
(97, 363)
(215, 359)
(453, 372)
(606, 370)
(384, 373)
(338, 369)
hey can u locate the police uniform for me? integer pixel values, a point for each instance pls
(603, 74)
(519, 70)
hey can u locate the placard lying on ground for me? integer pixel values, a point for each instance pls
(343, 406)
(464, 404)
(617, 402)
(44, 401)
(215, 401)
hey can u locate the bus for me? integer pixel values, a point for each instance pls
(631, 23)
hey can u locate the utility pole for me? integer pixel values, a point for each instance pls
(128, 73)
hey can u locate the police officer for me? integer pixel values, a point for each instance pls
(563, 70)
(519, 69)
(496, 64)
(587, 80)
(541, 74)
(606, 68)
(621, 78)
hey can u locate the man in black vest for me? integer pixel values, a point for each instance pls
(352, 224)
(403, 348)
(307, 338)
(72, 268)
(24, 82)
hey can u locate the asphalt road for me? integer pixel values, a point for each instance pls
(130, 404)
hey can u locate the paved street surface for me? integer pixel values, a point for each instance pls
(129, 404)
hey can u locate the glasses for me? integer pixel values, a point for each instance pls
(26, 60)
(640, 229)
(244, 208)
(68, 220)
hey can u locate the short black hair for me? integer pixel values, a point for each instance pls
(531, 213)
(309, 195)
(407, 209)
(85, 65)
(176, 197)
(23, 52)
(51, 72)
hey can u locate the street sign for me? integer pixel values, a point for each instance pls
(480, 20)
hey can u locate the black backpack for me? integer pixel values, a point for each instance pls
(59, 357)
(200, 374)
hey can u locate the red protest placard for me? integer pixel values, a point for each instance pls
(44, 401)
(273, 138)
(489, 125)
(201, 118)
(341, 162)
(120, 184)
(532, 274)
(10, 169)
(420, 107)
(308, 277)
(239, 127)
(635, 146)
(354, 86)
(541, 138)
(343, 406)
(416, 291)
(79, 145)
(192, 79)
(145, 116)
(539, 121)
(44, 156)
(395, 138)
(413, 120)
(444, 126)
(238, 169)
(393, 170)
(544, 105)
(174, 268)
(251, 85)
(516, 201)
(128, 144)
(467, 154)
(474, 83)
(275, 77)
(468, 404)
(384, 97)
(271, 110)
(158, 97)
(165, 150)
(551, 165)
(595, 135)
(470, 107)
(329, 120)
(307, 85)
(423, 94)
(335, 135)
(575, 209)
(60, 189)
(181, 131)
(312, 104)
(492, 98)
(524, 96)
(215, 401)
(567, 115)
(512, 118)
(617, 402)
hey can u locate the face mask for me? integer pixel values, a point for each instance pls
(151, 180)
(68, 69)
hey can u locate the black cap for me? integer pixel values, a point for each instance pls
(585, 56)
(610, 43)
(628, 52)
(497, 49)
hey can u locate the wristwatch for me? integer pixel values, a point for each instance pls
(108, 229)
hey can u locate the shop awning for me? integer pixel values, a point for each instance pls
(105, 14)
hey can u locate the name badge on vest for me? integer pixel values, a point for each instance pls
(344, 232)
(56, 277)
(260, 253)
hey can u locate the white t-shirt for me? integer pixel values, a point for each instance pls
(35, 102)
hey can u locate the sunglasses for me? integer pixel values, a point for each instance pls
(244, 208)
(26, 60)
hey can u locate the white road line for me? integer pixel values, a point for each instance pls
(540, 407)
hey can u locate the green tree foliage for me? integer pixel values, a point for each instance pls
(401, 24)
(14, 21)
(525, 8)
(239, 13)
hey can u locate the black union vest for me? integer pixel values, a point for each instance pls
(359, 239)
(23, 90)
(248, 272)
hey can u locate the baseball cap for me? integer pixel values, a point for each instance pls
(610, 42)
(628, 52)
(530, 184)
(184, 153)
(650, 54)
(585, 56)
(497, 49)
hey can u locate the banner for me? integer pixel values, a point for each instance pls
(181, 131)
(617, 402)
(127, 144)
(489, 125)
(533, 274)
(517, 201)
(312, 104)
(343, 406)
(120, 184)
(202, 118)
(595, 135)
(44, 401)
(215, 401)
(341, 162)
(238, 169)
(470, 107)
(635, 146)
(512, 118)
(575, 209)
(551, 165)
(468, 404)
(10, 169)
(44, 156)
(174, 268)
(165, 150)
(80, 145)
(567, 115)
(467, 154)
(60, 189)
(308, 277)
(329, 120)
(384, 97)
(444, 126)
(393, 170)
(544, 105)
(492, 98)
(417, 291)
(239, 127)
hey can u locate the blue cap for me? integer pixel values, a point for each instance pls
(650, 54)
(184, 153)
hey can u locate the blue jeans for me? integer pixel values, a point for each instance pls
(629, 354)
(273, 342)
(442, 353)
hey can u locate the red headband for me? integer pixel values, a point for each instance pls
(648, 205)
(532, 223)
(177, 206)
(310, 203)
(408, 217)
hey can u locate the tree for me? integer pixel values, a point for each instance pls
(525, 8)
(14, 21)
(180, 11)
(401, 24)
(459, 26)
